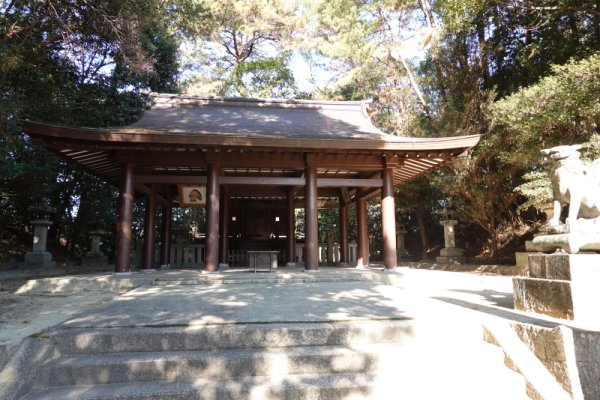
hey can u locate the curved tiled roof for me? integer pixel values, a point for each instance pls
(182, 128)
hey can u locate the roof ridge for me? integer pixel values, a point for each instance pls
(160, 100)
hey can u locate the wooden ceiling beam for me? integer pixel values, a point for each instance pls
(260, 181)
(341, 182)
(345, 162)
(147, 190)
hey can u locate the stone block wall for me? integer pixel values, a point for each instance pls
(562, 286)
(548, 346)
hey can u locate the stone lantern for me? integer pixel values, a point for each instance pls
(95, 257)
(39, 257)
(401, 251)
(450, 253)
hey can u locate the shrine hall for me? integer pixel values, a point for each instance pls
(251, 163)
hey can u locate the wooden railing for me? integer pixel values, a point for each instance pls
(323, 253)
(191, 255)
(187, 255)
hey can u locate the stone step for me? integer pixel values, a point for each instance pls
(424, 367)
(189, 366)
(234, 336)
(252, 278)
(322, 386)
(403, 373)
(113, 283)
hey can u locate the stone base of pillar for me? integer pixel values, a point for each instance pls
(391, 270)
(311, 271)
(290, 264)
(450, 260)
(165, 266)
(205, 272)
(38, 259)
(123, 273)
(451, 252)
(223, 266)
(450, 255)
(360, 266)
(94, 259)
(149, 270)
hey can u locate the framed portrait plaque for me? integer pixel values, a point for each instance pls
(192, 195)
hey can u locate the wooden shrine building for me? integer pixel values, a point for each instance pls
(250, 161)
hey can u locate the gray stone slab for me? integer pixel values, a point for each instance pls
(91, 341)
(321, 386)
(190, 366)
(250, 303)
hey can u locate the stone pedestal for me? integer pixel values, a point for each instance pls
(561, 285)
(39, 257)
(401, 252)
(95, 257)
(584, 235)
(450, 253)
(522, 259)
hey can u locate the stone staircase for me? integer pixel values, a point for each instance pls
(345, 360)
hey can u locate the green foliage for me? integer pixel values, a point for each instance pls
(266, 77)
(563, 108)
(370, 59)
(537, 188)
(81, 65)
(240, 48)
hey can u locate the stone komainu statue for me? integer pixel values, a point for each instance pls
(574, 182)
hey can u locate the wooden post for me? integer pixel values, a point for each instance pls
(149, 232)
(343, 232)
(362, 234)
(291, 228)
(165, 247)
(125, 222)
(388, 219)
(211, 259)
(224, 229)
(310, 221)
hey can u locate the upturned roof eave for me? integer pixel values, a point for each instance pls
(128, 135)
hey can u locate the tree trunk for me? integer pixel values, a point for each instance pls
(422, 230)
(493, 235)
(483, 54)
(415, 86)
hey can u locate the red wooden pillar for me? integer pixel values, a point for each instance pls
(165, 246)
(211, 258)
(344, 247)
(149, 232)
(291, 229)
(310, 221)
(125, 222)
(224, 230)
(388, 219)
(362, 234)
